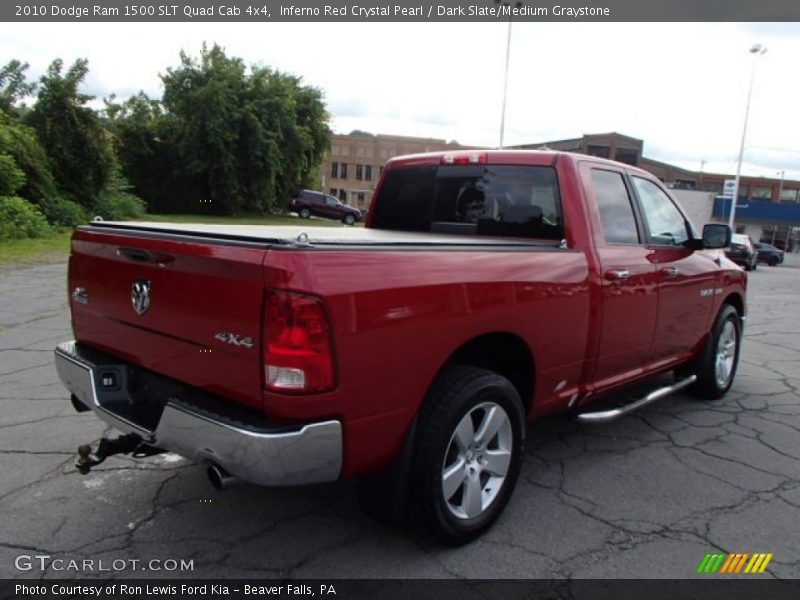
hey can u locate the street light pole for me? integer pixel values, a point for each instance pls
(505, 84)
(505, 77)
(756, 50)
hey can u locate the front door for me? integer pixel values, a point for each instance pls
(686, 279)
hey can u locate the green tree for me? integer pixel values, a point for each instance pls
(77, 145)
(14, 86)
(242, 138)
(144, 142)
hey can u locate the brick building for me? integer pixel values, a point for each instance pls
(356, 160)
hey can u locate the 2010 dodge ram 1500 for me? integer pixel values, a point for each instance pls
(488, 289)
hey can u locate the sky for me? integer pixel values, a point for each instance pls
(680, 87)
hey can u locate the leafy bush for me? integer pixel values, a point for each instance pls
(11, 177)
(63, 213)
(118, 206)
(20, 219)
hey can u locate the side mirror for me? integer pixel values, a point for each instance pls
(716, 235)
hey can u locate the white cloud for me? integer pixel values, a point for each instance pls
(680, 87)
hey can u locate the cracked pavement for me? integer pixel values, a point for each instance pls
(645, 496)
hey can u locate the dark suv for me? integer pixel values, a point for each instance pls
(307, 202)
(769, 254)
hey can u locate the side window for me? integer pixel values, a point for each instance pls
(330, 201)
(666, 223)
(614, 206)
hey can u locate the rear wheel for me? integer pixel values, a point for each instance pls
(773, 261)
(305, 213)
(716, 366)
(468, 453)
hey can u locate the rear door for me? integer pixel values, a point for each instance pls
(629, 299)
(181, 306)
(686, 278)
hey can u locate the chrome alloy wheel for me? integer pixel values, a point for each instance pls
(477, 460)
(726, 354)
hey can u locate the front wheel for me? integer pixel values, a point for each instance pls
(716, 365)
(773, 261)
(468, 453)
(349, 219)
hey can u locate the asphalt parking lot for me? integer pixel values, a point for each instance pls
(646, 496)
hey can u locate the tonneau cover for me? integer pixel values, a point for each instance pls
(314, 235)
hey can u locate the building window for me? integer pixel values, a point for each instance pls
(343, 171)
(359, 172)
(789, 195)
(380, 171)
(601, 151)
(334, 191)
(626, 155)
(361, 198)
(684, 184)
(334, 170)
(343, 195)
(368, 172)
(763, 192)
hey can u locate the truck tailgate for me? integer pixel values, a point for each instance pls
(186, 308)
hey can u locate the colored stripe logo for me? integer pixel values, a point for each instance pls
(734, 563)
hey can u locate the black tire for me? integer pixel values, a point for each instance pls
(755, 264)
(305, 213)
(466, 395)
(773, 261)
(748, 267)
(708, 385)
(349, 219)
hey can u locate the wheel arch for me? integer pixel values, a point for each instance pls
(502, 352)
(735, 300)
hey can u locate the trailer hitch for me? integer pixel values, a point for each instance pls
(130, 443)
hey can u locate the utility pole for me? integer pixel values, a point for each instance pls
(756, 50)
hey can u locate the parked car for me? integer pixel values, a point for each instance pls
(768, 253)
(490, 289)
(308, 202)
(742, 252)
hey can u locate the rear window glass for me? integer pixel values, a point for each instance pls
(512, 201)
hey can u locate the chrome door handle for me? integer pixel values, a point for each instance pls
(618, 274)
(670, 271)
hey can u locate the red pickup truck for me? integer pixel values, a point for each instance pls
(487, 289)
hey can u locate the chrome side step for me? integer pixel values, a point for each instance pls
(610, 415)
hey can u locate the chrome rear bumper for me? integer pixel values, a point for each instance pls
(272, 456)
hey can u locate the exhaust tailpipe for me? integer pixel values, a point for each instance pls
(220, 479)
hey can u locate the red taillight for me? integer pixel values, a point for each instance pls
(471, 158)
(298, 355)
